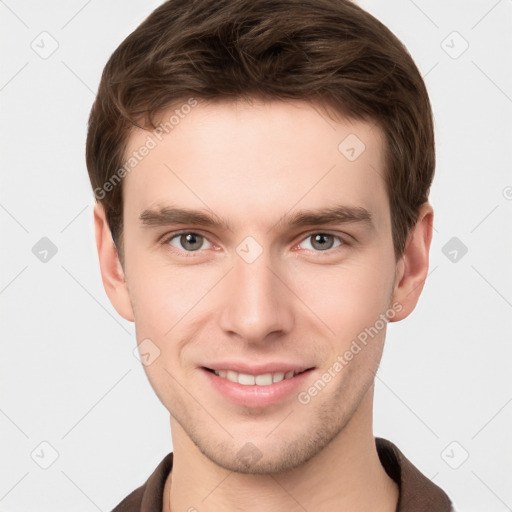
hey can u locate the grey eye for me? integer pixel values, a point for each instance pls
(188, 241)
(322, 241)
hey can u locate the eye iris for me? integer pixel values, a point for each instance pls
(325, 242)
(191, 242)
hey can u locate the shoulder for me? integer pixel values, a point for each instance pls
(149, 496)
(417, 492)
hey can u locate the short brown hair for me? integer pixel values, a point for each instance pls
(328, 51)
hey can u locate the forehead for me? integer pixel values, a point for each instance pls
(255, 160)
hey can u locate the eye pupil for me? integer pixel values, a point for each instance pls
(191, 241)
(325, 241)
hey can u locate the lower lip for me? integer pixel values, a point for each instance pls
(257, 396)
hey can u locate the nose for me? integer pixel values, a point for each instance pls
(256, 304)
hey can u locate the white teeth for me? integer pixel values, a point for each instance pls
(278, 377)
(265, 379)
(246, 380)
(232, 376)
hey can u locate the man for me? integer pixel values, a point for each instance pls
(262, 172)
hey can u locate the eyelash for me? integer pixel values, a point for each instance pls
(165, 241)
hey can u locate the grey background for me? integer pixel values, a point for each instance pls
(68, 374)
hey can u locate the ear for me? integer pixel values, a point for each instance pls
(412, 268)
(112, 273)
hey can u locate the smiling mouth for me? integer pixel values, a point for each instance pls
(265, 379)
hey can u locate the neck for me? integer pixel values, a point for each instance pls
(346, 475)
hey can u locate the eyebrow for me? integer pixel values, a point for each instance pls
(324, 216)
(168, 215)
(165, 216)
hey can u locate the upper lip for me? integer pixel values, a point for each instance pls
(257, 369)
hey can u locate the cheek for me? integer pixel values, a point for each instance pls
(345, 299)
(166, 299)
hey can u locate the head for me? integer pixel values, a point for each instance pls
(300, 134)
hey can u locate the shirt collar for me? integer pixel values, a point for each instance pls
(417, 492)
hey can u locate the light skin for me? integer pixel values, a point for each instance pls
(303, 300)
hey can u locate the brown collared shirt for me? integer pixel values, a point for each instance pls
(417, 492)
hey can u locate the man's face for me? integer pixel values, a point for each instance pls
(262, 294)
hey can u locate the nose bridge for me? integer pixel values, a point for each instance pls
(255, 301)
